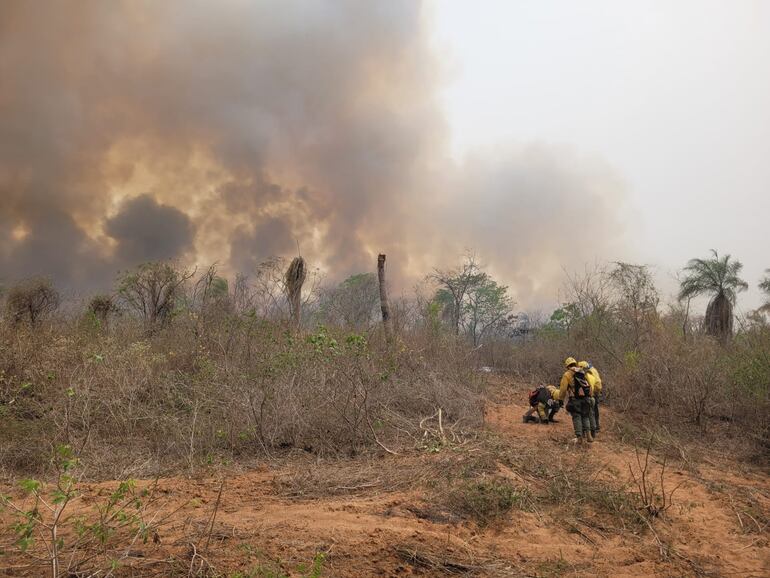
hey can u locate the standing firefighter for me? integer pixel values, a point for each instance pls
(575, 384)
(595, 381)
(544, 400)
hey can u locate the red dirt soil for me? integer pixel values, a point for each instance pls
(370, 531)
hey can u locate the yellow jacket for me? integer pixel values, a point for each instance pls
(564, 384)
(598, 380)
(596, 386)
(592, 376)
(541, 407)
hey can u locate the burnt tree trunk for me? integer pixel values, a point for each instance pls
(384, 303)
(295, 277)
(719, 318)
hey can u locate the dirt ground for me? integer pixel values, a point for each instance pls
(274, 521)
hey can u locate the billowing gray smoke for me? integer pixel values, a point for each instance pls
(230, 131)
(146, 230)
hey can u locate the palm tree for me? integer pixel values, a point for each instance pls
(717, 276)
(764, 285)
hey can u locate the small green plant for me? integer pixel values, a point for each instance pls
(315, 569)
(31, 521)
(272, 568)
(95, 542)
(487, 500)
(553, 568)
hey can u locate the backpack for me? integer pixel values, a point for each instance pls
(581, 387)
(533, 395)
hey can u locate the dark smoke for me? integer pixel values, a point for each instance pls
(271, 236)
(257, 125)
(52, 245)
(145, 230)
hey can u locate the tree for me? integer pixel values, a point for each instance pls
(486, 308)
(456, 283)
(152, 291)
(764, 286)
(471, 300)
(636, 300)
(32, 299)
(101, 307)
(717, 276)
(210, 287)
(383, 293)
(267, 294)
(352, 303)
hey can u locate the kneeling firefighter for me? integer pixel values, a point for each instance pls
(575, 385)
(544, 400)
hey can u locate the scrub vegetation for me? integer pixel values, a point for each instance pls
(696, 377)
(116, 412)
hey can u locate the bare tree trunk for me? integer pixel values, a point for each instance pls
(384, 303)
(456, 315)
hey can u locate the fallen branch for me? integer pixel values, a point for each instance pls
(214, 515)
(376, 439)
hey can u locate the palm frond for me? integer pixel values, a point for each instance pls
(720, 278)
(764, 286)
(717, 275)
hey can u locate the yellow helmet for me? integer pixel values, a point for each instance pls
(570, 361)
(583, 364)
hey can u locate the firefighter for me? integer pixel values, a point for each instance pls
(596, 393)
(574, 385)
(545, 401)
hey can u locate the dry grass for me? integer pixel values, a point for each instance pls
(224, 387)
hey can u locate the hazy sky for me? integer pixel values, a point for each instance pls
(673, 95)
(543, 135)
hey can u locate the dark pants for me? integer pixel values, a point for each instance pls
(552, 411)
(596, 412)
(579, 408)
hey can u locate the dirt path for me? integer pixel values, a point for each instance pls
(702, 526)
(369, 528)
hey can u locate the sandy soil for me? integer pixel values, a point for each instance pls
(365, 529)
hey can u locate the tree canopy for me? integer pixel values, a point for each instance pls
(764, 286)
(471, 300)
(719, 277)
(716, 276)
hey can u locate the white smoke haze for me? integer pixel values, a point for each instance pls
(230, 131)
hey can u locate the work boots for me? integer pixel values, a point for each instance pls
(589, 438)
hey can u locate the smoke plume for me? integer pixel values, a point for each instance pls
(257, 126)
